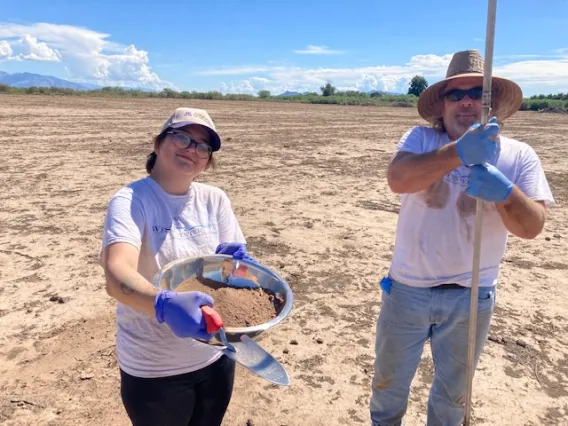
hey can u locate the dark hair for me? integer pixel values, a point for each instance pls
(157, 140)
(437, 125)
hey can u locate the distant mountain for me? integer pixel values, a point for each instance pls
(288, 93)
(370, 92)
(26, 79)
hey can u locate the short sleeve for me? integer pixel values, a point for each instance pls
(412, 141)
(229, 228)
(124, 221)
(531, 178)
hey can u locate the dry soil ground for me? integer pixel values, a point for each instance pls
(308, 185)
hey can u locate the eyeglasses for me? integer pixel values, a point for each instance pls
(456, 95)
(183, 141)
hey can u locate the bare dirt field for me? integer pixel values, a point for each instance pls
(307, 183)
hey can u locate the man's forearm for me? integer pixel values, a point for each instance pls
(522, 216)
(130, 288)
(413, 173)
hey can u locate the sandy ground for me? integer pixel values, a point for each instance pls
(308, 186)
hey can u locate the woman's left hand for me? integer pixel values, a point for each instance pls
(237, 250)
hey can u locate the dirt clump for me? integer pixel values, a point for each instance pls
(239, 307)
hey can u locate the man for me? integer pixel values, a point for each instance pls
(440, 171)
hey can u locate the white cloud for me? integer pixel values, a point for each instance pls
(430, 64)
(533, 74)
(32, 50)
(382, 78)
(87, 55)
(131, 64)
(318, 50)
(5, 50)
(518, 56)
(383, 83)
(368, 83)
(537, 72)
(313, 81)
(233, 70)
(242, 87)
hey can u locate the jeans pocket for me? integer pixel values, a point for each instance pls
(486, 297)
(485, 293)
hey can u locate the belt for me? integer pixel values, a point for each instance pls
(450, 287)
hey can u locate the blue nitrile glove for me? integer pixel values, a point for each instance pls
(386, 284)
(489, 184)
(475, 147)
(237, 250)
(182, 312)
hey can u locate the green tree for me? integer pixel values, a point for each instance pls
(264, 94)
(169, 93)
(328, 89)
(417, 85)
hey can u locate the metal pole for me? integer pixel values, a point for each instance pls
(486, 106)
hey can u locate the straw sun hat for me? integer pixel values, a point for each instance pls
(506, 97)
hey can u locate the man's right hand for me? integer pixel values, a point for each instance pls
(182, 312)
(477, 146)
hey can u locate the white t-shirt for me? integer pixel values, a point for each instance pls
(164, 228)
(436, 226)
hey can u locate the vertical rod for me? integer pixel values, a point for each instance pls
(486, 106)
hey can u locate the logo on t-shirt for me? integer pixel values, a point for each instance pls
(179, 230)
(458, 177)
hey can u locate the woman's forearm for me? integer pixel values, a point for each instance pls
(130, 288)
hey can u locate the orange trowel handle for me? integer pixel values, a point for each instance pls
(212, 319)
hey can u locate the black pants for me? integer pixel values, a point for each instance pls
(199, 398)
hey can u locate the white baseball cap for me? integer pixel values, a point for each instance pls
(186, 116)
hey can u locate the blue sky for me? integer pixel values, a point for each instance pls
(244, 46)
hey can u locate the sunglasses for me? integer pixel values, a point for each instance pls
(183, 141)
(456, 95)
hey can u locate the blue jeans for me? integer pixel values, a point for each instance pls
(408, 317)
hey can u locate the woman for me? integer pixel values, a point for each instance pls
(167, 377)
